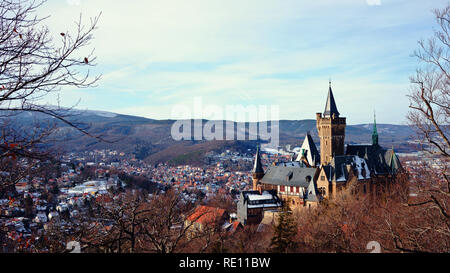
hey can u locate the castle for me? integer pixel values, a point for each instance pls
(312, 176)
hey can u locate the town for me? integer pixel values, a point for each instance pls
(315, 128)
(82, 177)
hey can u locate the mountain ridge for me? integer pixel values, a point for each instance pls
(150, 139)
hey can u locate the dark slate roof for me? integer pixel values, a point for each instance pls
(311, 194)
(330, 107)
(339, 167)
(291, 164)
(329, 171)
(257, 167)
(288, 176)
(245, 195)
(393, 161)
(380, 161)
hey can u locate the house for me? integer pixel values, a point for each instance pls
(22, 186)
(232, 226)
(294, 185)
(252, 204)
(205, 218)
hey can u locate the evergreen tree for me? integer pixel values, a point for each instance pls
(28, 202)
(284, 232)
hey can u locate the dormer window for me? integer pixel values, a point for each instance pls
(289, 176)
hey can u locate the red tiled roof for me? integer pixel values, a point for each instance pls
(206, 214)
(103, 199)
(235, 225)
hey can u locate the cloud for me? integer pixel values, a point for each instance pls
(373, 2)
(73, 2)
(155, 54)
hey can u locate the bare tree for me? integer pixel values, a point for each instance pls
(130, 222)
(32, 65)
(430, 94)
(430, 115)
(165, 228)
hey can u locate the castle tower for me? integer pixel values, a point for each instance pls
(331, 129)
(258, 171)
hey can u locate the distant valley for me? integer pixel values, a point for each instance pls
(151, 140)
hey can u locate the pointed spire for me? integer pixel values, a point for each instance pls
(374, 132)
(330, 107)
(257, 168)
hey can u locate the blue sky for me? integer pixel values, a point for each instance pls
(156, 54)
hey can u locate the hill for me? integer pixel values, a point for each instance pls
(151, 140)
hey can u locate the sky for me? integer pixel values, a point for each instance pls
(156, 55)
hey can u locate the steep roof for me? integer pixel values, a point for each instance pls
(291, 164)
(337, 169)
(359, 164)
(288, 176)
(257, 167)
(330, 106)
(380, 161)
(206, 215)
(393, 162)
(309, 151)
(311, 194)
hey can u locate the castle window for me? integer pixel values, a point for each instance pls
(322, 177)
(282, 188)
(322, 191)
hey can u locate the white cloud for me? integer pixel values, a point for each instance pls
(274, 51)
(74, 2)
(373, 2)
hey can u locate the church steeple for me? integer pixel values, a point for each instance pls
(257, 167)
(330, 107)
(258, 171)
(374, 132)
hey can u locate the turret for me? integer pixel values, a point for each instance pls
(374, 132)
(258, 171)
(330, 106)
